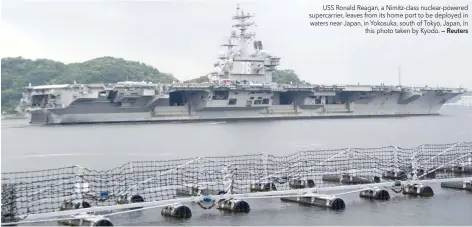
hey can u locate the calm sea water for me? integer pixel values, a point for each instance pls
(26, 147)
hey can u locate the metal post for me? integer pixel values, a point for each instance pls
(265, 162)
(350, 162)
(132, 180)
(414, 166)
(80, 186)
(230, 176)
(395, 159)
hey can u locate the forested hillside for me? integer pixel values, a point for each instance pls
(19, 72)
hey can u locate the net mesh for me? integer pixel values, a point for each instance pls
(47, 191)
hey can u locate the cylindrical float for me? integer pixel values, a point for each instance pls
(136, 199)
(263, 187)
(82, 204)
(233, 205)
(91, 220)
(193, 191)
(348, 179)
(462, 169)
(447, 169)
(332, 178)
(462, 185)
(186, 191)
(456, 169)
(319, 201)
(378, 194)
(133, 199)
(176, 211)
(299, 184)
(392, 175)
(70, 205)
(376, 179)
(417, 190)
(431, 175)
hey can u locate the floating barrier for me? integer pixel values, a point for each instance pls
(319, 201)
(63, 193)
(457, 169)
(299, 184)
(69, 205)
(263, 187)
(132, 199)
(417, 190)
(349, 179)
(377, 194)
(462, 185)
(193, 191)
(429, 173)
(233, 205)
(463, 169)
(392, 175)
(89, 220)
(176, 211)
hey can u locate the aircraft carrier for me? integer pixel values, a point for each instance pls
(240, 88)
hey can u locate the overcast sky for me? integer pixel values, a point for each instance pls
(183, 38)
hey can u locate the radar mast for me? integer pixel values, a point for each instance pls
(242, 25)
(240, 64)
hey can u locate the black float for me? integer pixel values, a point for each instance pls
(69, 205)
(133, 199)
(82, 220)
(348, 179)
(457, 169)
(392, 175)
(319, 201)
(263, 187)
(233, 205)
(417, 190)
(299, 184)
(193, 191)
(176, 211)
(430, 175)
(463, 169)
(461, 185)
(377, 194)
(89, 220)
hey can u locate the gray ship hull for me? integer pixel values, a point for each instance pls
(114, 118)
(429, 104)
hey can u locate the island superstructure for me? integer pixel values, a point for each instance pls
(240, 87)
